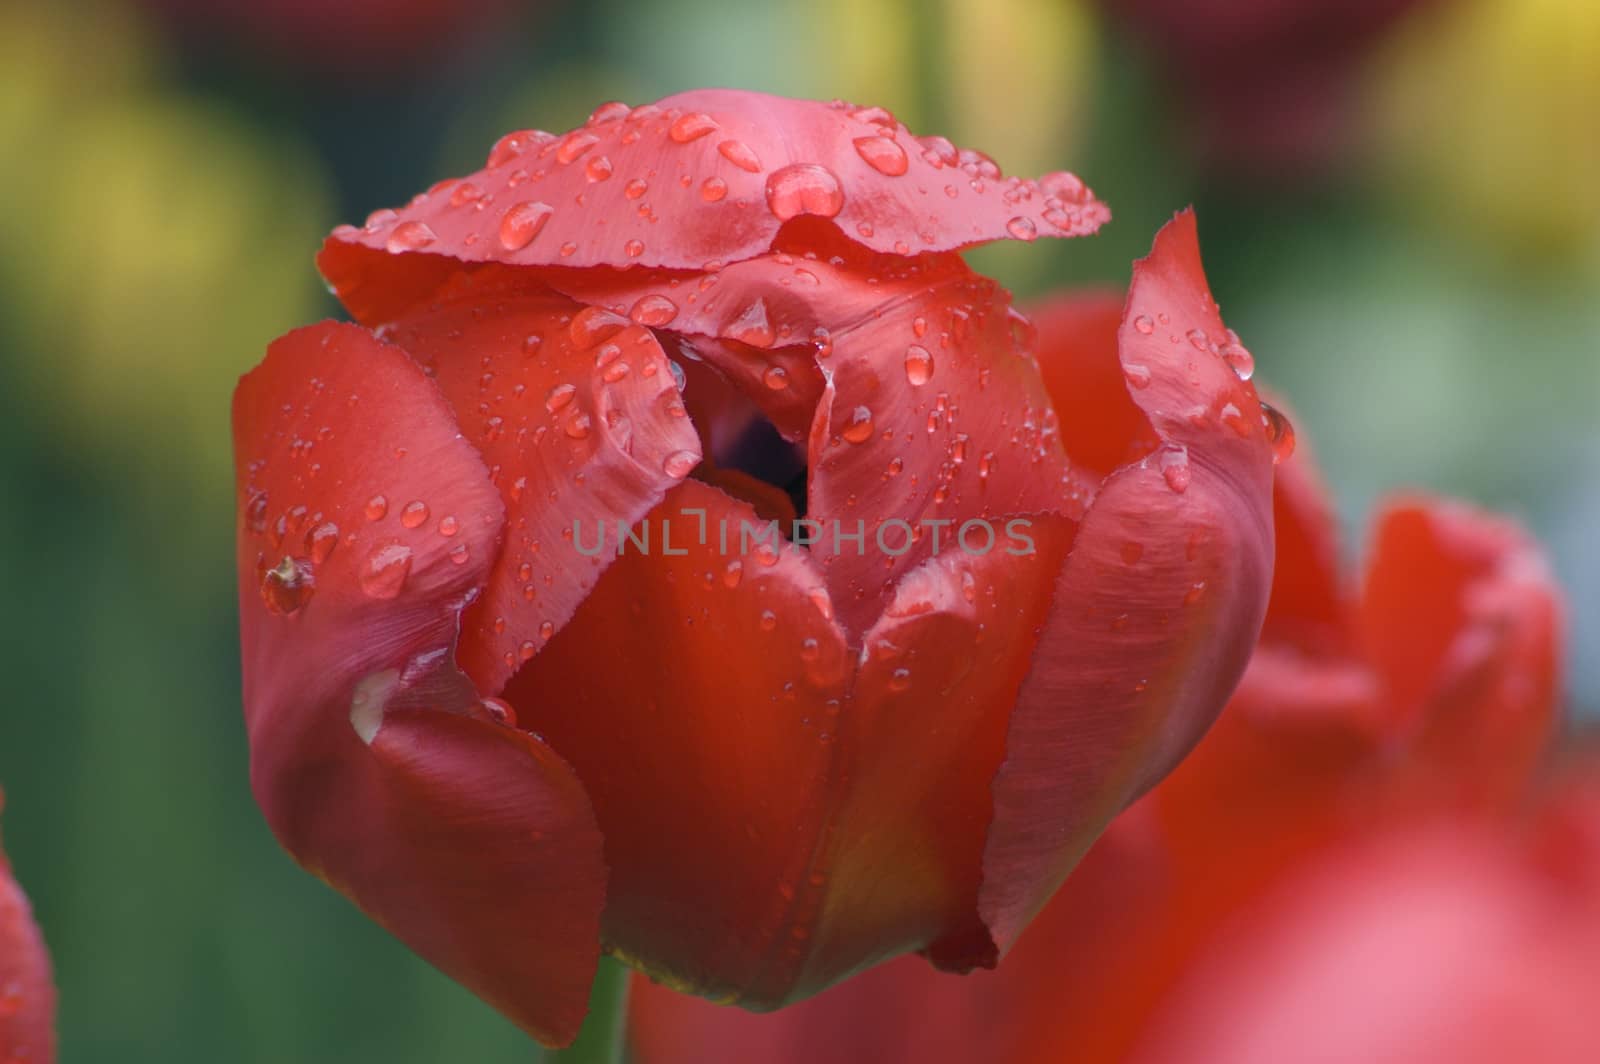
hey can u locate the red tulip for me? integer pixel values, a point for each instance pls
(1334, 874)
(1267, 86)
(749, 767)
(27, 995)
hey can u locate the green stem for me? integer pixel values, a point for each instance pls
(603, 1039)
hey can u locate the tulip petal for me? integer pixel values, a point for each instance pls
(27, 994)
(696, 691)
(1158, 604)
(933, 415)
(1462, 621)
(701, 177)
(1310, 608)
(371, 755)
(922, 736)
(577, 415)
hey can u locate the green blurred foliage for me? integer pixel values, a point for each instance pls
(161, 196)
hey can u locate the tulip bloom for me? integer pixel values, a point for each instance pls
(686, 556)
(1333, 875)
(27, 995)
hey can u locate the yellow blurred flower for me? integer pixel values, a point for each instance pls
(1491, 119)
(155, 244)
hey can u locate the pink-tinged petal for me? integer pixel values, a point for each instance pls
(371, 755)
(697, 692)
(922, 736)
(1424, 947)
(1463, 623)
(577, 415)
(27, 994)
(1160, 601)
(701, 177)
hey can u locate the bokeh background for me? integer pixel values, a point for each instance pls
(1399, 205)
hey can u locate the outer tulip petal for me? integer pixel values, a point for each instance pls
(922, 735)
(1159, 601)
(1462, 621)
(469, 840)
(27, 995)
(905, 1010)
(577, 415)
(701, 177)
(697, 692)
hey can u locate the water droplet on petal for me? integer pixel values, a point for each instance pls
(883, 154)
(739, 154)
(559, 396)
(578, 425)
(859, 428)
(633, 248)
(409, 236)
(919, 365)
(287, 586)
(499, 711)
(653, 310)
(776, 378)
(1238, 358)
(384, 573)
(1280, 433)
(321, 541)
(414, 513)
(1022, 228)
(769, 620)
(900, 680)
(713, 189)
(376, 508)
(636, 188)
(575, 144)
(691, 126)
(804, 188)
(1175, 468)
(1136, 374)
(531, 344)
(1144, 324)
(521, 223)
(678, 464)
(752, 327)
(597, 169)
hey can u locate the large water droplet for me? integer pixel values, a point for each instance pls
(384, 573)
(919, 365)
(376, 508)
(597, 169)
(1238, 357)
(409, 236)
(691, 126)
(804, 188)
(653, 310)
(575, 144)
(1022, 228)
(1280, 433)
(522, 223)
(713, 189)
(883, 154)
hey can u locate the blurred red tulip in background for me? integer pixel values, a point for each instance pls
(1344, 869)
(1268, 87)
(27, 995)
(749, 768)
